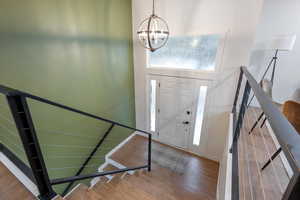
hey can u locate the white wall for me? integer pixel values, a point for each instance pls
(279, 17)
(237, 20)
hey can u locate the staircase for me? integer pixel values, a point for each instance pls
(121, 187)
(168, 180)
(175, 175)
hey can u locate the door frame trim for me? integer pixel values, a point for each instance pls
(204, 131)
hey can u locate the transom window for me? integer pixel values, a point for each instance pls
(189, 52)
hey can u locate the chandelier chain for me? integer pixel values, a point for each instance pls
(153, 7)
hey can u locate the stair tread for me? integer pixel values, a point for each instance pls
(107, 192)
(122, 190)
(156, 189)
(109, 167)
(82, 192)
(102, 180)
(117, 178)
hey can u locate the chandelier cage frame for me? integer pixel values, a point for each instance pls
(149, 45)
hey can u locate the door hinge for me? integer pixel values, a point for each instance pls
(158, 84)
(158, 133)
(158, 110)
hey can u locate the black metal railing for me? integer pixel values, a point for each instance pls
(37, 170)
(286, 135)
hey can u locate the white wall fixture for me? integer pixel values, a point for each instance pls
(282, 42)
(153, 32)
(277, 43)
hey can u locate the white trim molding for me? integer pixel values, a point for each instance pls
(225, 170)
(19, 175)
(108, 160)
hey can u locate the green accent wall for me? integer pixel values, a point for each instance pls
(75, 52)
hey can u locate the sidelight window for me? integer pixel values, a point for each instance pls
(153, 105)
(199, 115)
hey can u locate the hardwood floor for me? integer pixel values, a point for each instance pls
(175, 173)
(11, 188)
(254, 151)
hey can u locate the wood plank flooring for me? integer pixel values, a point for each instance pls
(175, 174)
(11, 188)
(254, 151)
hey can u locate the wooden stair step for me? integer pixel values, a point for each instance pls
(155, 189)
(115, 177)
(110, 167)
(102, 180)
(107, 192)
(133, 192)
(122, 190)
(82, 192)
(140, 172)
(118, 177)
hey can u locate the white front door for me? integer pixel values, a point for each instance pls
(176, 106)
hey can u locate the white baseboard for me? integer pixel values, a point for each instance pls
(108, 160)
(225, 170)
(19, 175)
(101, 168)
(94, 181)
(114, 163)
(120, 145)
(228, 181)
(69, 193)
(118, 165)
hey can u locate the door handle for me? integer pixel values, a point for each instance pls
(186, 122)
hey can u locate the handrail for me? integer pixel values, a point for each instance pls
(286, 134)
(10, 92)
(17, 102)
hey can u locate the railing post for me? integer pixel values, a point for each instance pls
(292, 191)
(237, 91)
(239, 123)
(234, 148)
(149, 151)
(22, 117)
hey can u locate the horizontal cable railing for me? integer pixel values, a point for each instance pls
(265, 148)
(56, 156)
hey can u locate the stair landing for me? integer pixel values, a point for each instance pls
(175, 173)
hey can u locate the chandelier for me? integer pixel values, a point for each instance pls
(153, 32)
